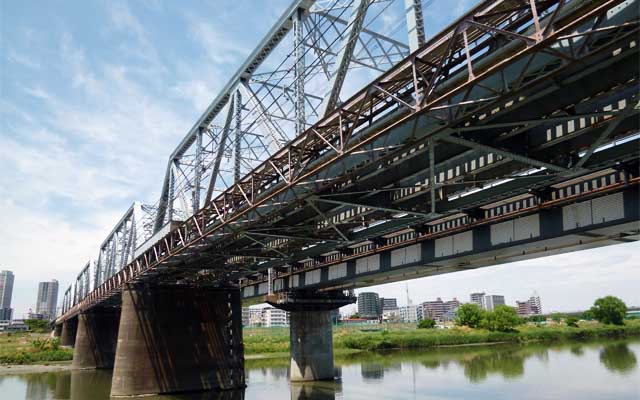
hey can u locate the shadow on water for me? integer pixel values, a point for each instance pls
(323, 390)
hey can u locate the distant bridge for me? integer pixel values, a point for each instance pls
(511, 134)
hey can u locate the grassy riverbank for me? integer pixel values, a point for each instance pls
(31, 348)
(263, 341)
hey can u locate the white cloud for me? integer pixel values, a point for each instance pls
(219, 48)
(198, 92)
(23, 60)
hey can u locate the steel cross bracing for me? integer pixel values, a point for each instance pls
(295, 73)
(501, 103)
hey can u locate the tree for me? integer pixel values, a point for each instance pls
(502, 318)
(469, 315)
(609, 310)
(571, 321)
(534, 318)
(587, 315)
(427, 323)
(37, 325)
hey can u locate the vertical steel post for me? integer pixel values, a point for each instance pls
(298, 51)
(195, 193)
(415, 24)
(238, 138)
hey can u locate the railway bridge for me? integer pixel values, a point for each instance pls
(345, 153)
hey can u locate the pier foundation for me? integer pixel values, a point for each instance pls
(68, 333)
(96, 338)
(311, 333)
(178, 338)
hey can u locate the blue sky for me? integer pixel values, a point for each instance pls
(94, 96)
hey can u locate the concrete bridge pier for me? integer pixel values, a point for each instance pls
(178, 338)
(311, 331)
(68, 333)
(57, 331)
(96, 338)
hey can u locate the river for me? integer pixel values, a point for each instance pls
(579, 370)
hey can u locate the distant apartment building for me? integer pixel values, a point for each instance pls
(6, 291)
(451, 309)
(387, 303)
(254, 316)
(531, 306)
(391, 315)
(523, 307)
(47, 299)
(410, 314)
(477, 298)
(369, 305)
(6, 314)
(433, 309)
(536, 305)
(439, 310)
(492, 301)
(274, 317)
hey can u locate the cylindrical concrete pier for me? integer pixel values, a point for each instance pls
(96, 340)
(68, 334)
(178, 338)
(311, 345)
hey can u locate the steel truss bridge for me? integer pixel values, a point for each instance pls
(512, 133)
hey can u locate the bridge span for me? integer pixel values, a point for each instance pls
(511, 134)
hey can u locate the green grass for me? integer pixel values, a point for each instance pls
(31, 348)
(266, 341)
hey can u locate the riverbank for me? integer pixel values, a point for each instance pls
(31, 348)
(405, 337)
(268, 343)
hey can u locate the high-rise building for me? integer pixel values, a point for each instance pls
(492, 301)
(47, 299)
(478, 298)
(410, 314)
(523, 307)
(6, 291)
(531, 306)
(536, 305)
(369, 305)
(387, 303)
(433, 309)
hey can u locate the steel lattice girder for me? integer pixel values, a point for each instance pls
(276, 101)
(436, 79)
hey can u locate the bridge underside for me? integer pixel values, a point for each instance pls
(512, 134)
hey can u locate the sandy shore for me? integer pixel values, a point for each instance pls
(34, 368)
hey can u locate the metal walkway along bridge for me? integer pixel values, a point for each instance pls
(348, 151)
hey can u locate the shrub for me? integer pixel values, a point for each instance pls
(571, 321)
(502, 318)
(427, 323)
(469, 315)
(37, 325)
(609, 310)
